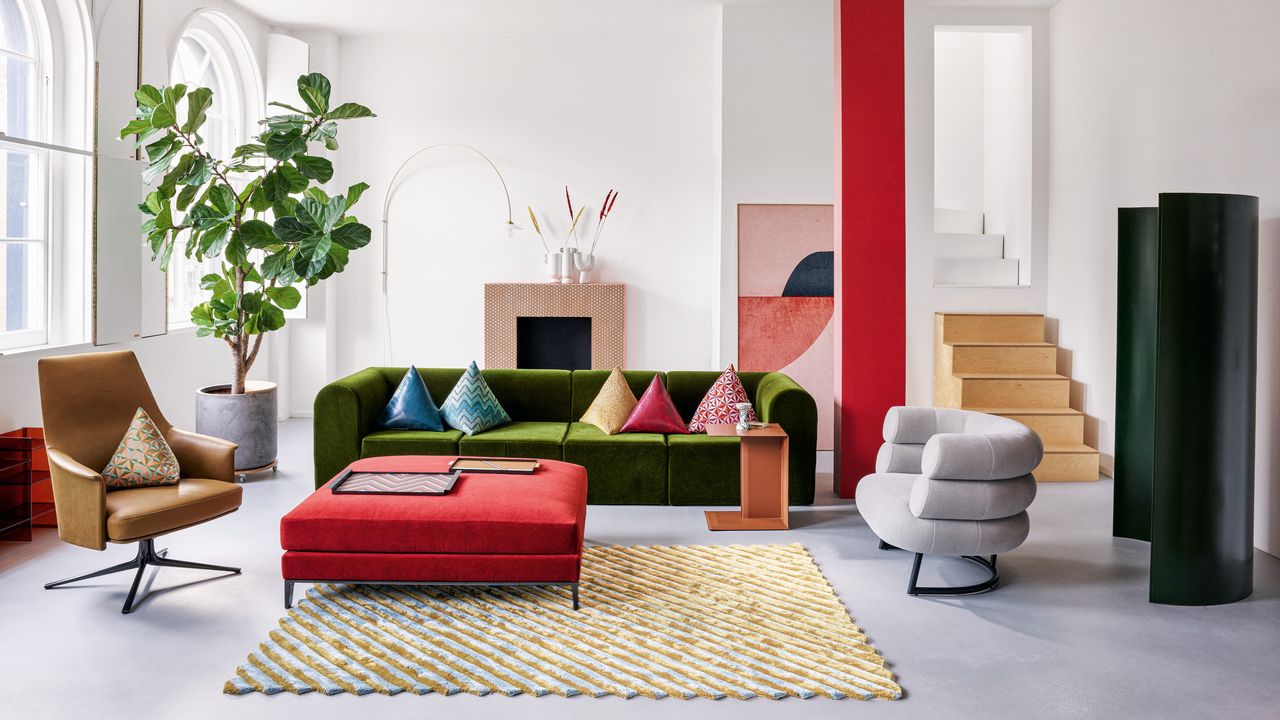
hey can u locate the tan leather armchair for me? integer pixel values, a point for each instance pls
(88, 402)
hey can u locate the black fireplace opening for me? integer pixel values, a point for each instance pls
(559, 343)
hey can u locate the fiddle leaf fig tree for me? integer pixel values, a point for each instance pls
(261, 212)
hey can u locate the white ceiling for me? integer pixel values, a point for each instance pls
(387, 17)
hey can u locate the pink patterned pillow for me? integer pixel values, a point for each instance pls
(718, 405)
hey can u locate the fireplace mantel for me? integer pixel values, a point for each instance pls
(604, 303)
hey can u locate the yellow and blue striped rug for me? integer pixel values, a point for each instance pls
(738, 621)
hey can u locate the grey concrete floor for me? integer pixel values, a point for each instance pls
(1069, 635)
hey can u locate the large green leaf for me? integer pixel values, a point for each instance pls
(148, 96)
(314, 89)
(291, 108)
(292, 230)
(236, 253)
(257, 234)
(315, 168)
(270, 318)
(287, 123)
(353, 195)
(215, 240)
(282, 146)
(185, 196)
(136, 127)
(251, 302)
(198, 103)
(274, 263)
(293, 179)
(349, 111)
(163, 148)
(198, 172)
(311, 214)
(352, 236)
(223, 199)
(203, 217)
(248, 150)
(311, 255)
(286, 297)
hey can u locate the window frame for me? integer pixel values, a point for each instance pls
(231, 56)
(40, 232)
(62, 131)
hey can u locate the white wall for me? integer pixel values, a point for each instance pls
(1007, 144)
(1152, 96)
(778, 121)
(178, 363)
(596, 97)
(923, 299)
(958, 141)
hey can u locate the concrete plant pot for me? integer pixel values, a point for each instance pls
(248, 420)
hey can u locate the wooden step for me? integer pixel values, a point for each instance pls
(990, 327)
(1055, 426)
(992, 357)
(1011, 390)
(1068, 463)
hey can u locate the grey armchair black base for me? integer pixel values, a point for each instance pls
(147, 555)
(913, 589)
(951, 482)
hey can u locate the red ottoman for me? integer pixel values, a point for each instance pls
(488, 530)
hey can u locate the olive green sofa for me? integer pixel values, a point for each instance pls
(545, 405)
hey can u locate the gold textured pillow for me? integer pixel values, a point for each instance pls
(612, 406)
(143, 457)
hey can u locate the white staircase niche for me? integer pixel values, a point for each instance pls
(964, 255)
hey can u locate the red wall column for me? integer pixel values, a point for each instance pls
(870, 319)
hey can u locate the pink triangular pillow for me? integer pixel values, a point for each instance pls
(655, 413)
(718, 405)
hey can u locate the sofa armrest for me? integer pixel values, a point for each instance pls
(899, 458)
(203, 456)
(80, 501)
(345, 411)
(981, 456)
(779, 399)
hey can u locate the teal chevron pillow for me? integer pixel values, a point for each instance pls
(471, 406)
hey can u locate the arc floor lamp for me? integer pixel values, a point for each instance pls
(392, 186)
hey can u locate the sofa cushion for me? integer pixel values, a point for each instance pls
(655, 413)
(471, 406)
(883, 502)
(143, 457)
(586, 385)
(411, 406)
(971, 499)
(517, 439)
(612, 406)
(720, 404)
(703, 470)
(628, 469)
(687, 387)
(539, 395)
(136, 513)
(483, 514)
(410, 442)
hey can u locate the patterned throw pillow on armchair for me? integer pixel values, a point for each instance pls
(143, 457)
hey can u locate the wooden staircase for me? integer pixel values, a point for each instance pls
(999, 363)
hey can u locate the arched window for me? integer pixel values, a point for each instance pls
(213, 52)
(44, 51)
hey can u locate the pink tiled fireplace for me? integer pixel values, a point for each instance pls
(550, 325)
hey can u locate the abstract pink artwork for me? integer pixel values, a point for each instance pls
(786, 289)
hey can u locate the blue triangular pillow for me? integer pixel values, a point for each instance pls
(471, 406)
(411, 407)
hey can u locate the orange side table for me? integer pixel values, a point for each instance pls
(764, 480)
